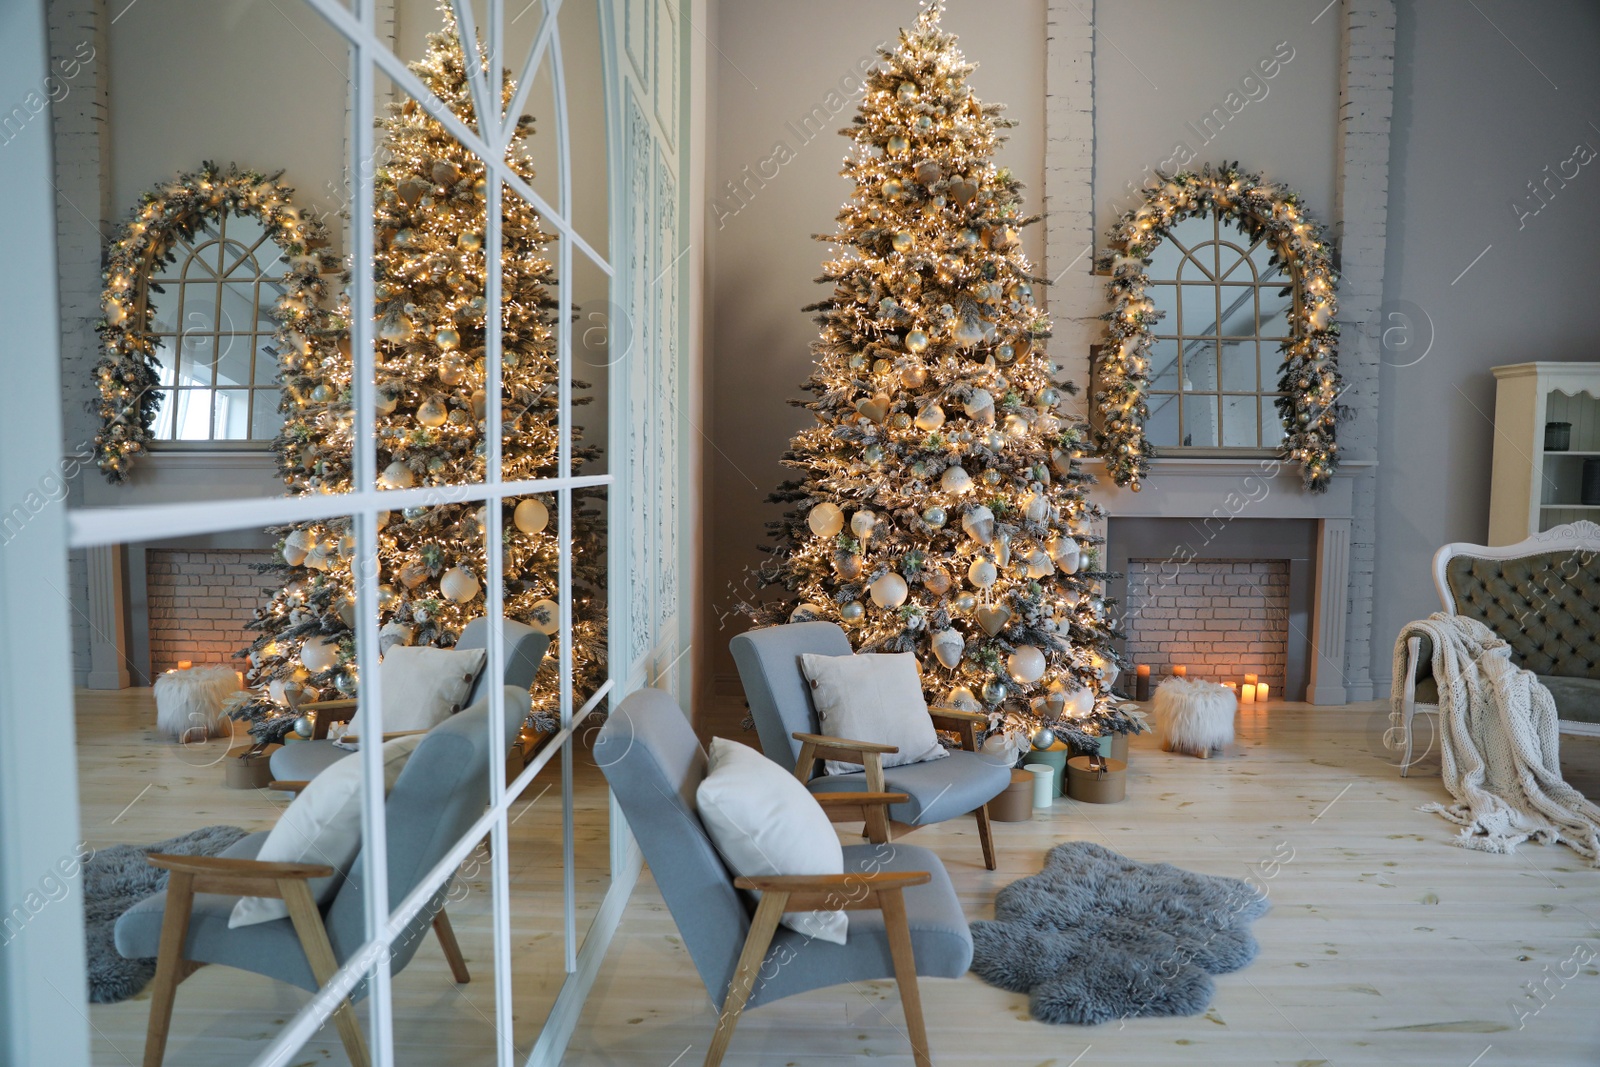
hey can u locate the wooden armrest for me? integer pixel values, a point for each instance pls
(870, 808)
(233, 876)
(353, 739)
(328, 711)
(842, 892)
(845, 744)
(976, 718)
(287, 787)
(335, 703)
(848, 799)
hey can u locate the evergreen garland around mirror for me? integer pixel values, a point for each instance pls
(128, 374)
(1310, 386)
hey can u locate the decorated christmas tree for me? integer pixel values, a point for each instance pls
(941, 507)
(429, 286)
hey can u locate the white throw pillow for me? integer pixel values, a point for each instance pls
(323, 825)
(763, 821)
(874, 697)
(422, 687)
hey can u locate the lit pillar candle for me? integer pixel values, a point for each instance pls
(1233, 687)
(1141, 687)
(1247, 693)
(1180, 671)
(1251, 679)
(184, 664)
(1261, 693)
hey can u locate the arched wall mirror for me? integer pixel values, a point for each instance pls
(1216, 347)
(212, 325)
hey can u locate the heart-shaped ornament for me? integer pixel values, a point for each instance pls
(963, 190)
(993, 618)
(874, 409)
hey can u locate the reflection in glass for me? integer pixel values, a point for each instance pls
(213, 331)
(1221, 294)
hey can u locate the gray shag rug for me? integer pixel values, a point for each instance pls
(114, 880)
(1096, 936)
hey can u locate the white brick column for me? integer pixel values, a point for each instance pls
(1075, 298)
(1366, 103)
(79, 66)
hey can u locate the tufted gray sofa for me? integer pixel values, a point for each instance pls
(1542, 596)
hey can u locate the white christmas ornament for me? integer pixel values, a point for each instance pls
(295, 547)
(930, 418)
(955, 480)
(1035, 506)
(961, 698)
(948, 648)
(825, 519)
(861, 524)
(807, 613)
(531, 515)
(397, 476)
(1066, 553)
(889, 591)
(1026, 664)
(321, 555)
(979, 524)
(1081, 703)
(982, 573)
(456, 584)
(394, 633)
(979, 406)
(319, 654)
(1039, 565)
(551, 613)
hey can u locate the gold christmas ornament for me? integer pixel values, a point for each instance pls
(531, 516)
(825, 520)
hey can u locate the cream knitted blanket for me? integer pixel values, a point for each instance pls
(1499, 744)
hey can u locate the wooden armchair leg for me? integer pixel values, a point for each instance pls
(986, 836)
(905, 972)
(319, 953)
(756, 943)
(170, 969)
(452, 948)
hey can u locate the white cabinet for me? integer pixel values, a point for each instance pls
(1538, 467)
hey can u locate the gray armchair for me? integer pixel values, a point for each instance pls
(301, 761)
(441, 790)
(905, 919)
(962, 783)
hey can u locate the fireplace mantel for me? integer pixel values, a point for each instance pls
(1214, 492)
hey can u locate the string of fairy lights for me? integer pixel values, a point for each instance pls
(1309, 380)
(127, 375)
(941, 507)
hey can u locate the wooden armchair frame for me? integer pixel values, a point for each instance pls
(870, 756)
(880, 891)
(188, 875)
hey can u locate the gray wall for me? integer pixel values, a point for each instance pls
(1163, 73)
(1474, 122)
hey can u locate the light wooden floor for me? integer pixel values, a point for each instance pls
(1385, 944)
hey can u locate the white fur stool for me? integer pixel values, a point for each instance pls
(1194, 716)
(189, 703)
